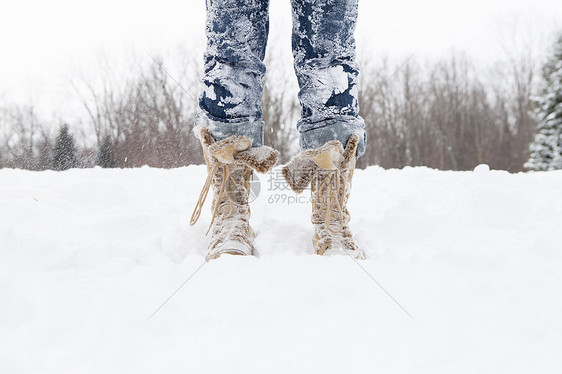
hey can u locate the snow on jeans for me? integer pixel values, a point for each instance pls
(324, 61)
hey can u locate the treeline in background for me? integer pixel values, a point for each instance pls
(447, 114)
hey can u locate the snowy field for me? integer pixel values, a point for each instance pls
(86, 256)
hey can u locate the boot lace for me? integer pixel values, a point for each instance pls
(227, 171)
(328, 197)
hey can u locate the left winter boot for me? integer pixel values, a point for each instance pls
(230, 164)
(329, 170)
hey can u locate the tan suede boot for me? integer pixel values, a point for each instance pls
(329, 170)
(230, 164)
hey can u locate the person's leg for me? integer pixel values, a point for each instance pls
(324, 58)
(230, 99)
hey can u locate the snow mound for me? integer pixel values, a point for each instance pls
(86, 256)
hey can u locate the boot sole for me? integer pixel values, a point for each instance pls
(232, 252)
(355, 253)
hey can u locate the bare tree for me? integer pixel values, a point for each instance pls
(442, 116)
(148, 117)
(521, 43)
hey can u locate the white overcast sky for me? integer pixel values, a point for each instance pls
(40, 40)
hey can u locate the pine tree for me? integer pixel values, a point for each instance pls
(45, 156)
(105, 154)
(546, 150)
(64, 152)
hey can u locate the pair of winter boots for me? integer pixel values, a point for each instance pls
(230, 164)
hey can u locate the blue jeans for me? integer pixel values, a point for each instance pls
(324, 61)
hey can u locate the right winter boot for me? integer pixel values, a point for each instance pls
(230, 164)
(329, 171)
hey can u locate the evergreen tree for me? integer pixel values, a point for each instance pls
(105, 157)
(64, 152)
(546, 150)
(45, 149)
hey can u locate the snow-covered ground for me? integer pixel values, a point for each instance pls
(86, 256)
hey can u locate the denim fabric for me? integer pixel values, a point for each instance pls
(324, 62)
(222, 130)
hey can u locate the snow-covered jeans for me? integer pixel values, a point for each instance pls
(324, 61)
